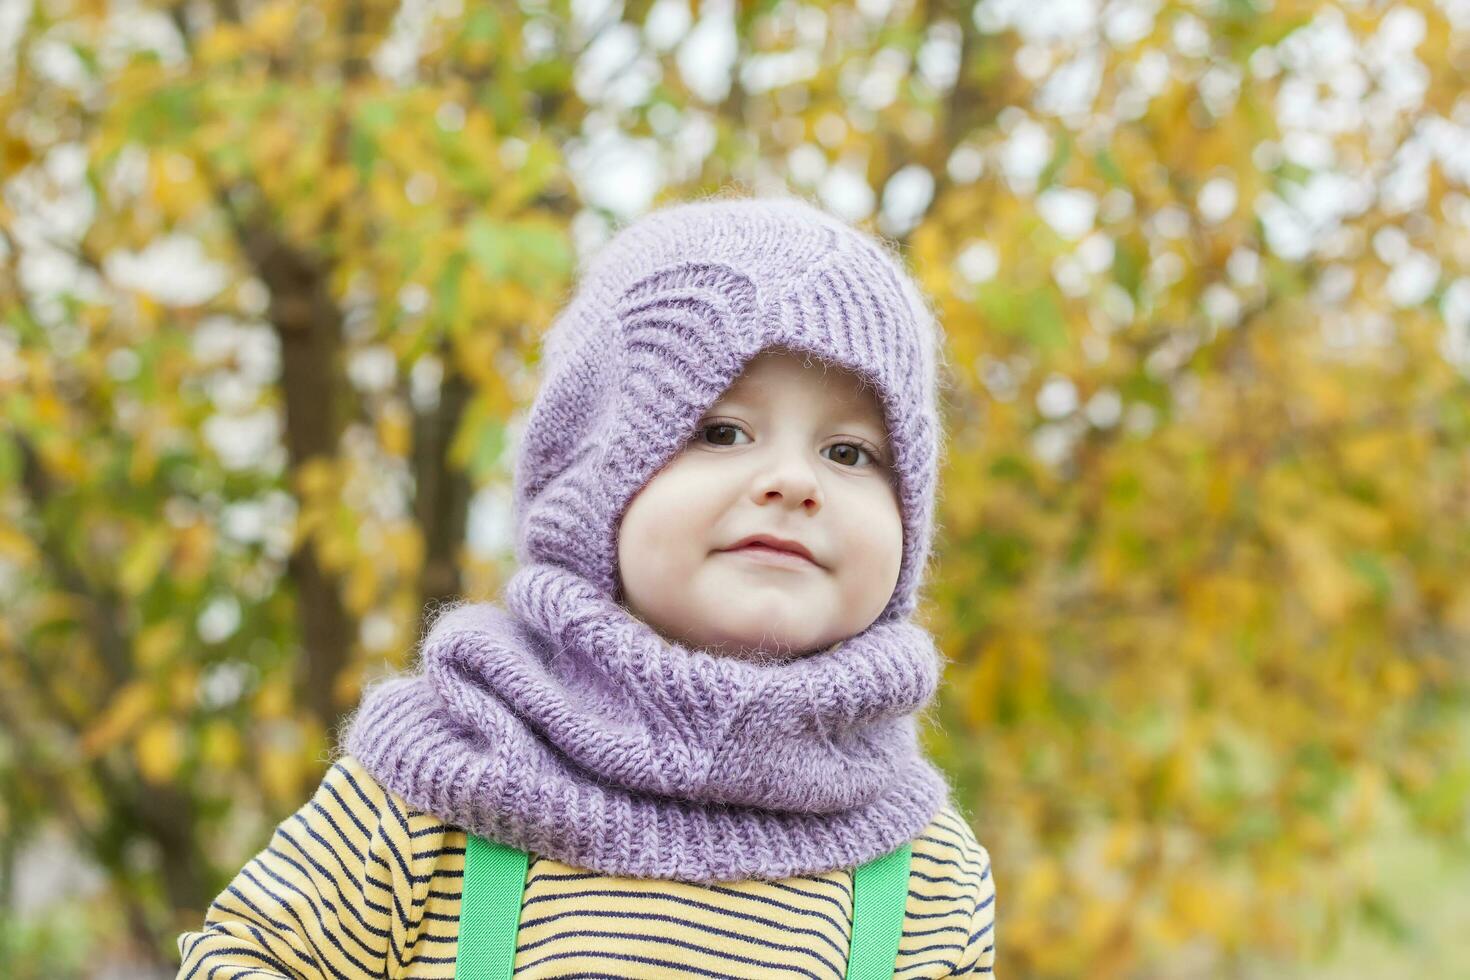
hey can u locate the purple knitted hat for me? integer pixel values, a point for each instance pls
(666, 317)
(564, 725)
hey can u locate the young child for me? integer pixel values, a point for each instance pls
(694, 714)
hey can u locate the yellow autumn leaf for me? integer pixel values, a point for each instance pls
(347, 685)
(1099, 920)
(15, 547)
(64, 459)
(405, 543)
(183, 687)
(273, 23)
(316, 476)
(280, 765)
(273, 697)
(158, 644)
(361, 588)
(1322, 578)
(143, 558)
(193, 555)
(395, 430)
(335, 547)
(15, 153)
(159, 749)
(143, 460)
(225, 43)
(118, 719)
(220, 746)
(1039, 883)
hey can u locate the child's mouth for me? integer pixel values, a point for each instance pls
(772, 556)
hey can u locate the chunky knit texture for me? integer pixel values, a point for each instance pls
(564, 725)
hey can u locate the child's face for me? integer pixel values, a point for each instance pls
(782, 452)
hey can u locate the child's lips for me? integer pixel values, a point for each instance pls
(767, 555)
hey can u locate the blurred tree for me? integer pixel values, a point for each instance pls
(261, 307)
(1203, 518)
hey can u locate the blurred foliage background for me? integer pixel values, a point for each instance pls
(273, 277)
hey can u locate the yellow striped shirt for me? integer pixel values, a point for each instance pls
(359, 884)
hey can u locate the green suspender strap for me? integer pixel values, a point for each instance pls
(880, 892)
(490, 909)
(495, 881)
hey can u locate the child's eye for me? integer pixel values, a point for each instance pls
(726, 426)
(858, 447)
(852, 451)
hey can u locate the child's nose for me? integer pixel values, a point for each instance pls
(791, 478)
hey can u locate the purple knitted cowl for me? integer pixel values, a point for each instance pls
(560, 723)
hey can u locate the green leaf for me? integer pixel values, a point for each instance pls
(483, 25)
(1108, 167)
(1379, 913)
(488, 449)
(167, 117)
(1032, 313)
(1058, 161)
(533, 254)
(376, 115)
(1128, 262)
(491, 246)
(447, 287)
